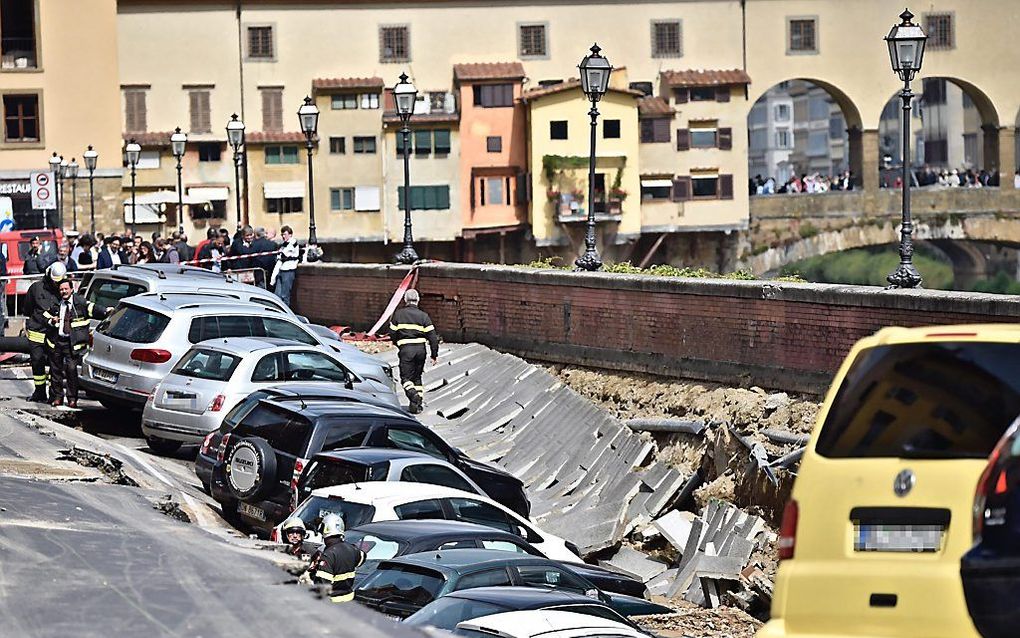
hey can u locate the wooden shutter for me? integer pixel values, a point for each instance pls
(442, 197)
(199, 108)
(726, 139)
(725, 187)
(722, 94)
(681, 188)
(521, 189)
(683, 139)
(272, 110)
(682, 96)
(661, 125)
(647, 132)
(134, 111)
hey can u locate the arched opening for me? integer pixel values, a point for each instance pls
(954, 136)
(804, 135)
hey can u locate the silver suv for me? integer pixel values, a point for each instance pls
(138, 345)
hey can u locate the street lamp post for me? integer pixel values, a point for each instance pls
(177, 142)
(405, 95)
(906, 50)
(308, 115)
(235, 136)
(91, 157)
(60, 189)
(133, 151)
(72, 171)
(595, 71)
(55, 169)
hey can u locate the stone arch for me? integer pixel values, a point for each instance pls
(761, 118)
(947, 121)
(985, 227)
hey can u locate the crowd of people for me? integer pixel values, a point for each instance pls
(248, 248)
(944, 178)
(804, 183)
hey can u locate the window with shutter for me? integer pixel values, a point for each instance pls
(400, 144)
(260, 42)
(683, 139)
(521, 188)
(725, 187)
(726, 139)
(198, 102)
(272, 110)
(682, 96)
(442, 141)
(681, 188)
(532, 40)
(134, 111)
(422, 142)
(722, 94)
(394, 43)
(655, 130)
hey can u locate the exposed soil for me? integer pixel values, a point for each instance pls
(692, 621)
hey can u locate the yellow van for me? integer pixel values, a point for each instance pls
(881, 511)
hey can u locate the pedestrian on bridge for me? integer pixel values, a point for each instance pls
(410, 329)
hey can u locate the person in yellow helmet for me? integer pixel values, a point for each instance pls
(339, 560)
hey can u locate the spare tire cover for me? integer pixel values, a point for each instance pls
(251, 468)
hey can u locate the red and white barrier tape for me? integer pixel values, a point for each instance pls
(410, 280)
(230, 257)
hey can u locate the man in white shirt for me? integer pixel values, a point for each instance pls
(286, 265)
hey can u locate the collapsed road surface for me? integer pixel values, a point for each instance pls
(85, 553)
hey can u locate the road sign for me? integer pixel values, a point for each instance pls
(43, 191)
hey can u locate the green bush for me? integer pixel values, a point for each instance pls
(807, 230)
(867, 267)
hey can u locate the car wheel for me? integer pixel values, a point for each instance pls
(162, 446)
(250, 468)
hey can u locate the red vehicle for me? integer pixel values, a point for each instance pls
(15, 245)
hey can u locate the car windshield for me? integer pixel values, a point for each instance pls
(108, 293)
(207, 364)
(325, 473)
(447, 611)
(135, 325)
(315, 507)
(375, 547)
(415, 585)
(924, 400)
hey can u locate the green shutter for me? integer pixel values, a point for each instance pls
(442, 197)
(429, 197)
(348, 195)
(423, 142)
(442, 140)
(334, 199)
(400, 144)
(417, 197)
(290, 155)
(400, 197)
(272, 155)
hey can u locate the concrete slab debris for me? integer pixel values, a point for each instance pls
(636, 564)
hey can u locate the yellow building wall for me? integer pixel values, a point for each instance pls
(611, 154)
(77, 82)
(260, 173)
(427, 170)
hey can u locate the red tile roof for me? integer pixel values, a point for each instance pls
(482, 71)
(652, 106)
(425, 118)
(567, 86)
(321, 84)
(149, 138)
(693, 77)
(270, 137)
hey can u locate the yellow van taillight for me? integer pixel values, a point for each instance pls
(788, 530)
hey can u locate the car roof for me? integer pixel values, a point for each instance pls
(244, 345)
(540, 621)
(391, 492)
(519, 597)
(370, 455)
(164, 271)
(455, 560)
(354, 404)
(418, 530)
(199, 302)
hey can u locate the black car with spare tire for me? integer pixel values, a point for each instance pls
(259, 460)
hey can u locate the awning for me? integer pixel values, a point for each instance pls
(164, 197)
(211, 194)
(279, 190)
(656, 183)
(144, 214)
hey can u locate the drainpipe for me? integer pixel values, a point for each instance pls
(743, 39)
(240, 57)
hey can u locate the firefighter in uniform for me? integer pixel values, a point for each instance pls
(410, 329)
(67, 338)
(42, 295)
(338, 561)
(294, 536)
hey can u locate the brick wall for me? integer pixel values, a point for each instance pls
(778, 335)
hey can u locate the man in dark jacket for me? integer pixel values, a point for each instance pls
(263, 244)
(37, 260)
(41, 297)
(66, 339)
(410, 329)
(109, 256)
(337, 563)
(242, 246)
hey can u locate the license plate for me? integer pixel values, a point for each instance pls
(250, 510)
(105, 375)
(898, 538)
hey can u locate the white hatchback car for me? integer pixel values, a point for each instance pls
(545, 623)
(360, 503)
(217, 374)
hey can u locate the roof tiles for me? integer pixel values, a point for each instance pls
(481, 71)
(696, 77)
(325, 84)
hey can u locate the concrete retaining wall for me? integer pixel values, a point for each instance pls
(777, 335)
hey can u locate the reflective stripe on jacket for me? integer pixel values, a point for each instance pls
(411, 325)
